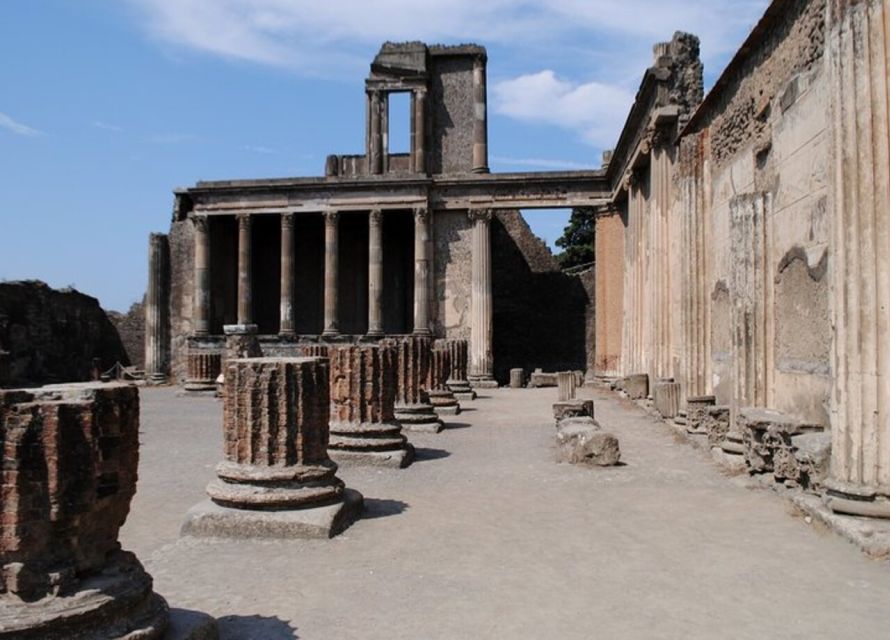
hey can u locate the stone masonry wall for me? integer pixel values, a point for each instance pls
(131, 328)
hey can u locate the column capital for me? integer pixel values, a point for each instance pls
(420, 91)
(422, 213)
(287, 220)
(244, 220)
(200, 222)
(484, 215)
(375, 216)
(331, 217)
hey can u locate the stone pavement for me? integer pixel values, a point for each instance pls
(485, 536)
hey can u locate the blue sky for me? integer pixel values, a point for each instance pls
(106, 106)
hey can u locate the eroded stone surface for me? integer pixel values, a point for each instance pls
(581, 441)
(413, 360)
(636, 386)
(572, 409)
(666, 397)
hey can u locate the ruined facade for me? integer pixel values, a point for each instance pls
(754, 238)
(423, 243)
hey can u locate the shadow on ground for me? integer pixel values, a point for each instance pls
(255, 628)
(381, 508)
(457, 425)
(422, 454)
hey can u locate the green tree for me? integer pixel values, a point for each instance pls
(577, 239)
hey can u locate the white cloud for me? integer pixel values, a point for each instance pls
(597, 111)
(259, 149)
(18, 128)
(307, 35)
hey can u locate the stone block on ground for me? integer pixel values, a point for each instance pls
(666, 397)
(805, 463)
(539, 379)
(572, 409)
(716, 424)
(580, 442)
(636, 386)
(767, 437)
(517, 378)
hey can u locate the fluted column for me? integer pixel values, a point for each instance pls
(421, 271)
(480, 118)
(419, 113)
(201, 285)
(375, 139)
(481, 360)
(286, 324)
(331, 272)
(156, 337)
(857, 52)
(375, 273)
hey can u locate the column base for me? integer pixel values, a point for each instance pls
(156, 378)
(461, 389)
(857, 501)
(210, 520)
(419, 418)
(483, 382)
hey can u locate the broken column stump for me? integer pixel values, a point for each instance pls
(203, 368)
(441, 397)
(413, 360)
(539, 379)
(68, 462)
(769, 447)
(517, 378)
(666, 397)
(580, 440)
(457, 380)
(697, 408)
(566, 384)
(363, 428)
(716, 424)
(636, 386)
(276, 480)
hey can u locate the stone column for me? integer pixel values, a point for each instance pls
(66, 494)
(331, 272)
(156, 336)
(481, 361)
(421, 271)
(201, 285)
(364, 430)
(419, 122)
(245, 297)
(375, 139)
(857, 52)
(441, 396)
(413, 408)
(480, 118)
(276, 480)
(375, 273)
(457, 381)
(286, 324)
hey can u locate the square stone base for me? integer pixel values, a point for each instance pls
(486, 383)
(423, 427)
(465, 395)
(398, 459)
(447, 411)
(210, 520)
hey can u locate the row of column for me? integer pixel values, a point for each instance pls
(377, 144)
(481, 301)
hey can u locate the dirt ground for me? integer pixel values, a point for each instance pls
(485, 536)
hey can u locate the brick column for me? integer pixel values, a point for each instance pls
(201, 284)
(413, 408)
(481, 361)
(245, 296)
(375, 273)
(331, 273)
(421, 271)
(857, 53)
(286, 324)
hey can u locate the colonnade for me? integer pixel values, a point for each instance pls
(481, 301)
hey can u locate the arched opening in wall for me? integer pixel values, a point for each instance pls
(543, 315)
(398, 132)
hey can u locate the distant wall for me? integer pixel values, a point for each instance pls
(131, 329)
(52, 336)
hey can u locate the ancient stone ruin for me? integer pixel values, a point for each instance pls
(413, 408)
(68, 475)
(363, 428)
(276, 480)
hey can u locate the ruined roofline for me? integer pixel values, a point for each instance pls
(774, 13)
(334, 181)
